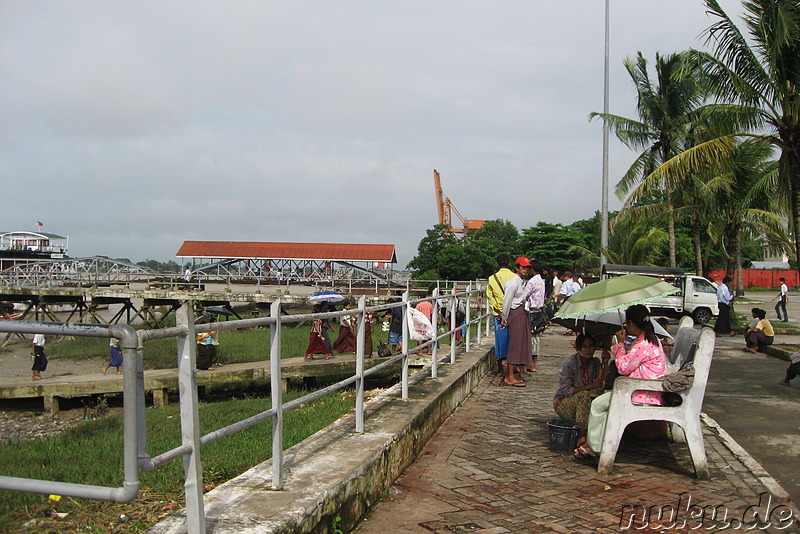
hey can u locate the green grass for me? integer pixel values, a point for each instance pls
(92, 454)
(235, 346)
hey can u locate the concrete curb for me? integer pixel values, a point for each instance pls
(336, 474)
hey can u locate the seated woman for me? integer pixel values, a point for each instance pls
(579, 374)
(761, 335)
(637, 354)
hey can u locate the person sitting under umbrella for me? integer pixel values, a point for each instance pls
(637, 354)
(578, 375)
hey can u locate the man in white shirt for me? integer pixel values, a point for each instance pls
(515, 319)
(724, 299)
(534, 292)
(784, 298)
(569, 287)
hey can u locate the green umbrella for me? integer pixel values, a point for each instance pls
(615, 293)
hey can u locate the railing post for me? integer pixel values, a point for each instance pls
(276, 394)
(360, 335)
(478, 307)
(469, 325)
(190, 421)
(453, 322)
(404, 374)
(435, 322)
(488, 313)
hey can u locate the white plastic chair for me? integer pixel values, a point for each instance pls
(622, 412)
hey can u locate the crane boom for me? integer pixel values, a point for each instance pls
(445, 210)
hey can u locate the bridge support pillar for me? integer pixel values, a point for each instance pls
(50, 404)
(160, 398)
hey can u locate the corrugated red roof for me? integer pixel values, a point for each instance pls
(287, 251)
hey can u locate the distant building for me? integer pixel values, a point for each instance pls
(26, 246)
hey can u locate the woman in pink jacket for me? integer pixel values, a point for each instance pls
(637, 354)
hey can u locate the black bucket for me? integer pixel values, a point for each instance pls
(563, 435)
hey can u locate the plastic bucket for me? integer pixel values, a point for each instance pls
(563, 435)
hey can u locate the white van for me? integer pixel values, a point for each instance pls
(698, 296)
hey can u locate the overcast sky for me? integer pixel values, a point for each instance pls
(133, 126)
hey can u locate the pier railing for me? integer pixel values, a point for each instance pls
(135, 455)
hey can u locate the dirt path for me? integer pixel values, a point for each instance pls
(15, 361)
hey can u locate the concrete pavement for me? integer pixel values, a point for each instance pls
(488, 469)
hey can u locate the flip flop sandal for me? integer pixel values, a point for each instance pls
(582, 452)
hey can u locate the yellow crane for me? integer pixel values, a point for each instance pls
(446, 210)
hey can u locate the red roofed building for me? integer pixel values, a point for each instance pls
(283, 262)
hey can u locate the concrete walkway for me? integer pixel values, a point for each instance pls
(488, 469)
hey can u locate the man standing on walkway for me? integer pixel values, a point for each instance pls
(515, 320)
(495, 292)
(570, 286)
(724, 298)
(534, 293)
(784, 298)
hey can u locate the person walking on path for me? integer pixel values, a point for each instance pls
(346, 340)
(39, 358)
(724, 299)
(316, 340)
(784, 298)
(516, 320)
(116, 356)
(534, 294)
(495, 291)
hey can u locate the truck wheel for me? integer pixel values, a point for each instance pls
(702, 315)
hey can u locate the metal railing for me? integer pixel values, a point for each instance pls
(135, 457)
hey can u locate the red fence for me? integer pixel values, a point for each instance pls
(759, 277)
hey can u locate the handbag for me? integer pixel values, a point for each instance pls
(383, 350)
(538, 321)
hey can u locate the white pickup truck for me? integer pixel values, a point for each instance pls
(698, 296)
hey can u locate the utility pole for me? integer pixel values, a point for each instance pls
(604, 209)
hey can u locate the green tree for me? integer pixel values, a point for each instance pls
(757, 82)
(554, 245)
(425, 265)
(486, 243)
(667, 109)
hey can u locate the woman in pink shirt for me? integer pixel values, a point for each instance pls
(637, 354)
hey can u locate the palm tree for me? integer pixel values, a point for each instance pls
(746, 203)
(667, 109)
(761, 77)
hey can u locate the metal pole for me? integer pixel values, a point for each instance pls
(404, 374)
(361, 333)
(435, 321)
(604, 220)
(469, 326)
(453, 309)
(190, 421)
(276, 394)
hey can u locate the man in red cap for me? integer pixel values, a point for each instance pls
(515, 318)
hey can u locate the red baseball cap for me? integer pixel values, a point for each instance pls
(522, 261)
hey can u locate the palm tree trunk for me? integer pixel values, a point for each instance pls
(698, 249)
(739, 271)
(790, 165)
(671, 228)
